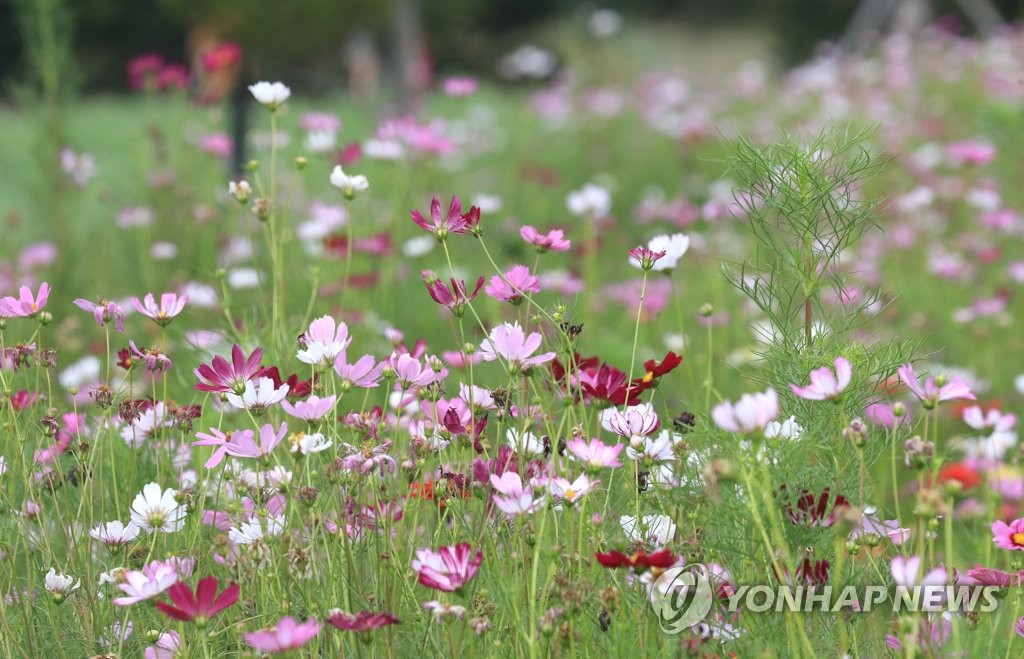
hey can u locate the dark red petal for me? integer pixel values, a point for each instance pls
(225, 599)
(174, 613)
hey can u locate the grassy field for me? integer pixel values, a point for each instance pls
(864, 209)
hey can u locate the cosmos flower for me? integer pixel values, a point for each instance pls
(221, 377)
(672, 248)
(60, 585)
(449, 568)
(349, 185)
(651, 530)
(241, 443)
(751, 414)
(454, 222)
(935, 390)
(153, 579)
(202, 605)
(323, 342)
(286, 635)
(25, 305)
(510, 343)
(554, 240)
(645, 258)
(364, 373)
(511, 497)
(270, 94)
(591, 201)
(457, 297)
(257, 397)
(826, 384)
(362, 621)
(595, 454)
(635, 422)
(115, 534)
(171, 304)
(153, 510)
(1008, 536)
(311, 410)
(513, 285)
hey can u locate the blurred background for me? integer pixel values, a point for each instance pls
(322, 46)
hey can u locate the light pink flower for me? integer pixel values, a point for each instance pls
(286, 635)
(595, 454)
(553, 240)
(449, 568)
(171, 304)
(365, 373)
(312, 409)
(241, 443)
(323, 342)
(509, 342)
(411, 373)
(564, 490)
(826, 384)
(459, 86)
(103, 312)
(153, 579)
(1008, 536)
(934, 391)
(25, 305)
(751, 414)
(512, 497)
(638, 421)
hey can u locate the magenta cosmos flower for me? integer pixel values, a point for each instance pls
(513, 285)
(644, 257)
(1008, 536)
(455, 298)
(449, 568)
(362, 621)
(454, 222)
(25, 305)
(200, 607)
(286, 635)
(553, 240)
(935, 391)
(826, 384)
(103, 312)
(221, 377)
(509, 342)
(171, 304)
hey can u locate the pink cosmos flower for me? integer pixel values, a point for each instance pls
(25, 305)
(459, 86)
(513, 285)
(241, 443)
(512, 497)
(1008, 536)
(411, 373)
(221, 377)
(595, 454)
(644, 257)
(935, 390)
(449, 568)
(362, 621)
(286, 635)
(365, 373)
(153, 579)
(454, 222)
(553, 240)
(1018, 627)
(564, 490)
(826, 384)
(103, 312)
(167, 646)
(987, 576)
(366, 459)
(312, 410)
(751, 414)
(509, 342)
(638, 421)
(455, 298)
(323, 342)
(906, 573)
(170, 306)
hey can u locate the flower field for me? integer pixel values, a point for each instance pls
(482, 378)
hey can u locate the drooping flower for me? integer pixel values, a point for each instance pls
(1008, 536)
(362, 621)
(513, 285)
(509, 342)
(286, 635)
(270, 94)
(25, 305)
(155, 510)
(349, 185)
(826, 384)
(103, 312)
(221, 377)
(751, 414)
(171, 304)
(201, 606)
(449, 568)
(935, 390)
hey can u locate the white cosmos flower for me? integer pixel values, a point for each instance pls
(349, 185)
(115, 534)
(270, 94)
(788, 429)
(305, 444)
(251, 531)
(591, 201)
(153, 510)
(655, 530)
(258, 397)
(60, 585)
(524, 442)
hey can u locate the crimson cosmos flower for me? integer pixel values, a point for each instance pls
(221, 377)
(655, 370)
(638, 560)
(814, 510)
(362, 621)
(455, 299)
(203, 605)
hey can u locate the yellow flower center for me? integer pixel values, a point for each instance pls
(648, 376)
(570, 494)
(296, 439)
(1018, 539)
